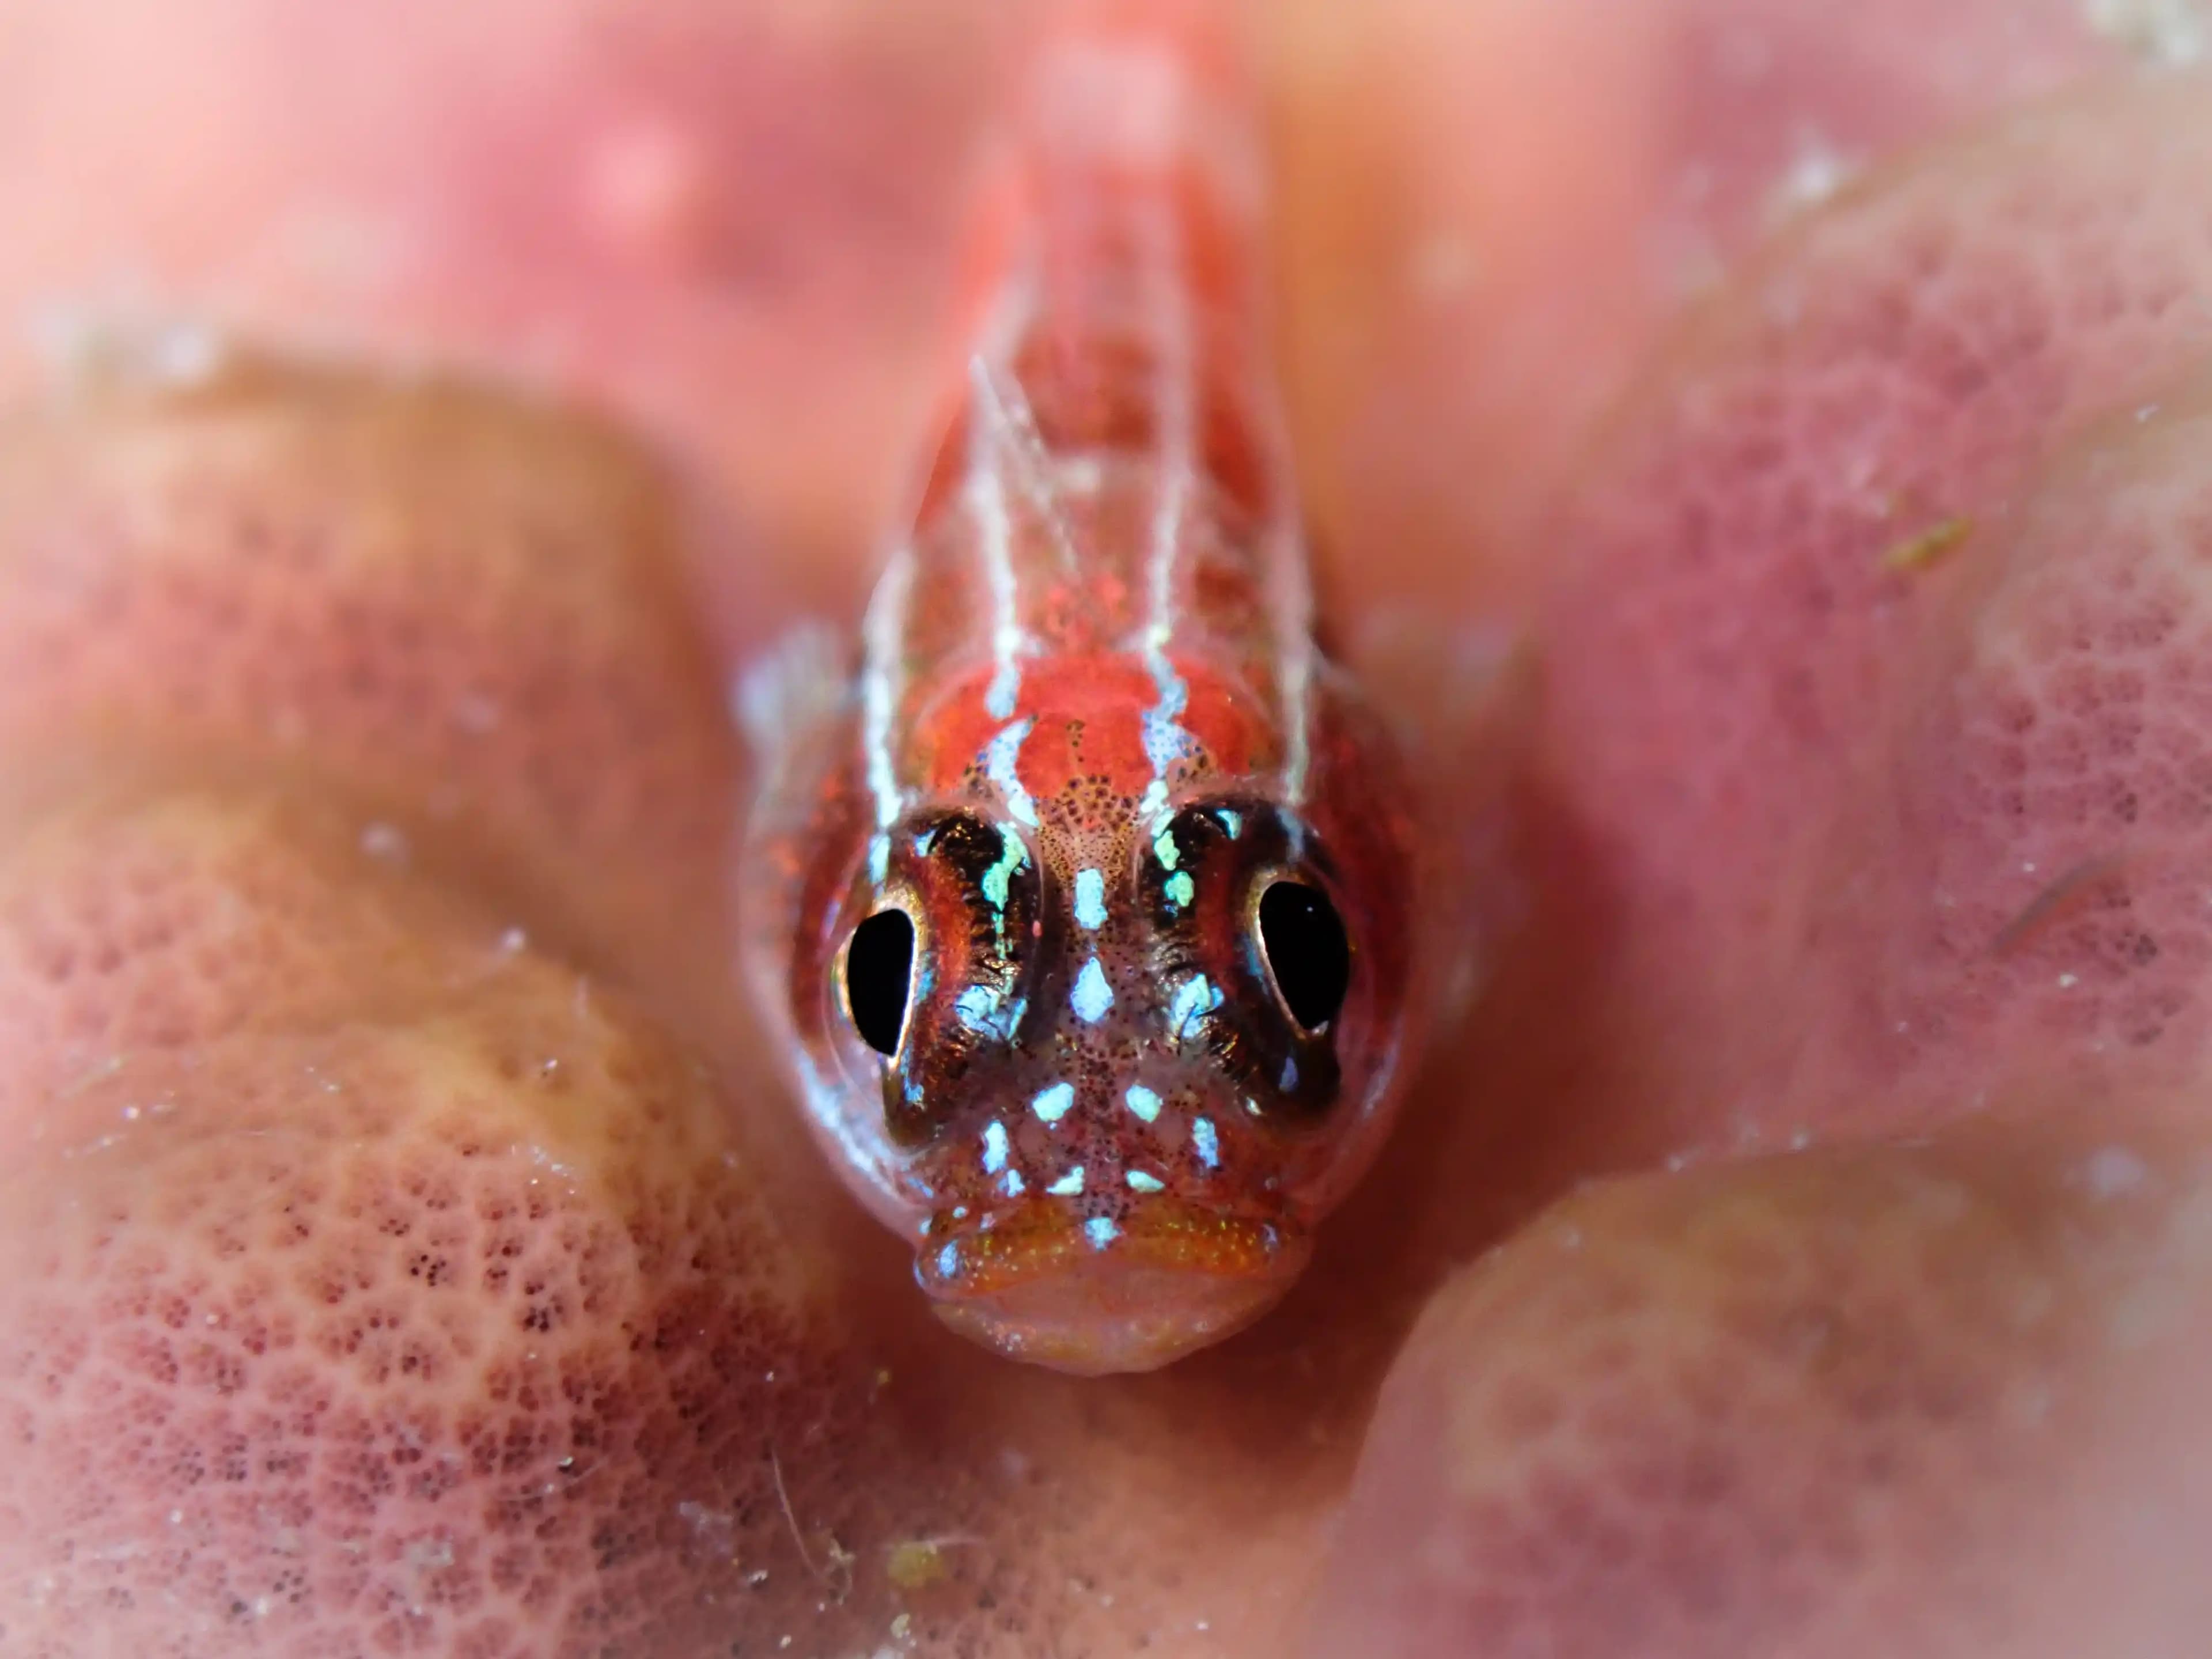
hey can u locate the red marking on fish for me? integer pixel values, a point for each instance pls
(1152, 859)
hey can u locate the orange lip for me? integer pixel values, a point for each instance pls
(1095, 1295)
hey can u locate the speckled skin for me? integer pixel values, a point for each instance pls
(1091, 724)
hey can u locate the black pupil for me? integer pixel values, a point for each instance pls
(879, 964)
(1307, 950)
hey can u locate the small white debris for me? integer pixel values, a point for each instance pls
(1443, 267)
(475, 713)
(1816, 173)
(2112, 1171)
(2169, 33)
(386, 842)
(186, 354)
(2067, 982)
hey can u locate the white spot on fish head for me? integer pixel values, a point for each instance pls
(1139, 1181)
(1205, 1140)
(995, 1147)
(1089, 899)
(1143, 1102)
(1051, 1103)
(1068, 1185)
(1093, 996)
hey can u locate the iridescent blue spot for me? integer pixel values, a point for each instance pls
(1193, 999)
(1206, 1141)
(1232, 820)
(995, 1147)
(1011, 1185)
(1290, 1078)
(1101, 1231)
(1181, 889)
(948, 1262)
(1090, 898)
(1068, 1185)
(1175, 697)
(1143, 1102)
(978, 1008)
(1051, 1104)
(996, 879)
(1165, 742)
(1141, 1183)
(1165, 850)
(1093, 996)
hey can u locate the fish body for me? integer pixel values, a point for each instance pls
(1085, 907)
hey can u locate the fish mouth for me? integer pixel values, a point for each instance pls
(1096, 1295)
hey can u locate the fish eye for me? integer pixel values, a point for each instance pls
(879, 978)
(1306, 950)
